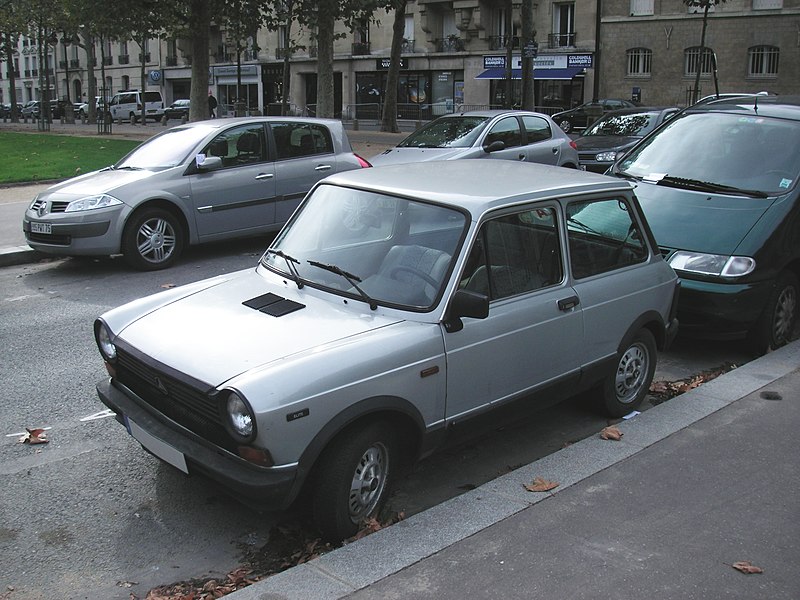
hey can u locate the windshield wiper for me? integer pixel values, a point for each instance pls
(290, 263)
(708, 186)
(353, 280)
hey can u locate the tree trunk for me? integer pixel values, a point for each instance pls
(509, 101)
(199, 25)
(327, 21)
(12, 80)
(389, 117)
(92, 80)
(695, 97)
(143, 74)
(285, 76)
(528, 37)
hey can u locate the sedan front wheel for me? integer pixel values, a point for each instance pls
(153, 239)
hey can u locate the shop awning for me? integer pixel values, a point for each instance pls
(562, 74)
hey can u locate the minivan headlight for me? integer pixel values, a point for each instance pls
(240, 416)
(712, 264)
(92, 202)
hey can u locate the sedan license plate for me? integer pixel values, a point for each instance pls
(41, 228)
(158, 447)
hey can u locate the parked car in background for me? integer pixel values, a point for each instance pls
(499, 134)
(396, 303)
(5, 110)
(719, 185)
(177, 110)
(31, 109)
(609, 137)
(194, 183)
(127, 105)
(580, 116)
(82, 108)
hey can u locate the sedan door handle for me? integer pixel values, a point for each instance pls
(566, 304)
(323, 168)
(263, 176)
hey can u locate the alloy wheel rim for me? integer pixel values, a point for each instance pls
(156, 240)
(785, 311)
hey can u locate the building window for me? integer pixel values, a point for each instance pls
(762, 61)
(640, 62)
(361, 38)
(767, 4)
(693, 57)
(563, 25)
(641, 8)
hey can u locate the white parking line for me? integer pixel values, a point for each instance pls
(103, 414)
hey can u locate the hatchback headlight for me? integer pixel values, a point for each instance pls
(712, 264)
(240, 417)
(103, 337)
(606, 157)
(92, 202)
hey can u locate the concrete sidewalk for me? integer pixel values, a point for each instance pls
(696, 484)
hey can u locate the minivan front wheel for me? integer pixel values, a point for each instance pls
(353, 479)
(775, 325)
(153, 239)
(626, 387)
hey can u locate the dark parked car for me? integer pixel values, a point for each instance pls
(609, 137)
(177, 110)
(719, 185)
(580, 116)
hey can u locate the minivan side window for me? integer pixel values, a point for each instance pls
(602, 236)
(515, 254)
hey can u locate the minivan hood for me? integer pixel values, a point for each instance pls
(96, 182)
(212, 336)
(395, 156)
(699, 221)
(599, 143)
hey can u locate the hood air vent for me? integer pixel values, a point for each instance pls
(274, 305)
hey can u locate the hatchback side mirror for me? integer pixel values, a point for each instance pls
(209, 163)
(494, 146)
(465, 303)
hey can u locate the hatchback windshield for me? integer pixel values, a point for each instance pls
(165, 150)
(636, 124)
(376, 248)
(742, 152)
(447, 132)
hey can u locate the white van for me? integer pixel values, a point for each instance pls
(127, 105)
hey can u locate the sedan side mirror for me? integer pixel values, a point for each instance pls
(495, 146)
(465, 303)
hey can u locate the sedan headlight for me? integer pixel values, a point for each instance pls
(240, 417)
(92, 202)
(103, 337)
(606, 157)
(712, 264)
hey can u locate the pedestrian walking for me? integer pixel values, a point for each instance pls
(212, 105)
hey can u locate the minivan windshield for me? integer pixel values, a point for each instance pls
(165, 150)
(723, 152)
(380, 249)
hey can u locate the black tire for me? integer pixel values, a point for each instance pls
(153, 239)
(566, 125)
(132, 118)
(626, 388)
(368, 455)
(775, 325)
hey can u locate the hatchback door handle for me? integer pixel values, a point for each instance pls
(555, 149)
(322, 168)
(568, 303)
(522, 157)
(263, 176)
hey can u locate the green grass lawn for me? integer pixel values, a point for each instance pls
(42, 157)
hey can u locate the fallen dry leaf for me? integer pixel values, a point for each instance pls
(611, 433)
(34, 436)
(540, 485)
(745, 566)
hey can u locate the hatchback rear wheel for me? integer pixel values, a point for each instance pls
(626, 388)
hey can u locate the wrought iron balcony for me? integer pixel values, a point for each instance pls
(124, 59)
(561, 40)
(74, 63)
(281, 53)
(172, 61)
(451, 43)
(408, 46)
(146, 57)
(108, 60)
(498, 42)
(360, 48)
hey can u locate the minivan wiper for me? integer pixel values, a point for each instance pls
(353, 280)
(707, 186)
(290, 263)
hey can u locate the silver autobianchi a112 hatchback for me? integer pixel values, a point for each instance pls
(199, 182)
(396, 302)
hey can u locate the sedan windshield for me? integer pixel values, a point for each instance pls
(637, 124)
(447, 132)
(165, 150)
(721, 150)
(381, 250)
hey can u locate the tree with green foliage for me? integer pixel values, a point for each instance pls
(242, 19)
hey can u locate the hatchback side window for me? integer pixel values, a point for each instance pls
(514, 254)
(239, 146)
(507, 131)
(603, 236)
(294, 140)
(536, 129)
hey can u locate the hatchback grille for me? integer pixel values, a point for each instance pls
(188, 406)
(54, 240)
(59, 207)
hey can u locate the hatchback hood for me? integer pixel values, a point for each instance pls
(699, 221)
(395, 156)
(212, 336)
(600, 143)
(97, 182)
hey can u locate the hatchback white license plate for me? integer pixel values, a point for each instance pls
(41, 228)
(158, 447)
